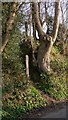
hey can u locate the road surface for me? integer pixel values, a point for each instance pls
(52, 111)
(57, 114)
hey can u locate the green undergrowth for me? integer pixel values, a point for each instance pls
(18, 94)
(20, 101)
(55, 83)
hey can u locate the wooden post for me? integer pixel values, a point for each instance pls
(27, 66)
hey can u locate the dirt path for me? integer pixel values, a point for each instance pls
(58, 110)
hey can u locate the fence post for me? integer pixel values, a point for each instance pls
(27, 66)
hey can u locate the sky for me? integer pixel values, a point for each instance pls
(32, 0)
(50, 11)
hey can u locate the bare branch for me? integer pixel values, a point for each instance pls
(56, 20)
(37, 21)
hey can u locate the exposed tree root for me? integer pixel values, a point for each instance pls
(50, 99)
(47, 97)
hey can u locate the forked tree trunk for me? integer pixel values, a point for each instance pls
(43, 58)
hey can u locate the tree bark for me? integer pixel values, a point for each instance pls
(37, 21)
(56, 20)
(43, 59)
(33, 25)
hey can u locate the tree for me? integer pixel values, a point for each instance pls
(9, 22)
(46, 41)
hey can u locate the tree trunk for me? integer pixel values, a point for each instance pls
(9, 24)
(43, 58)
